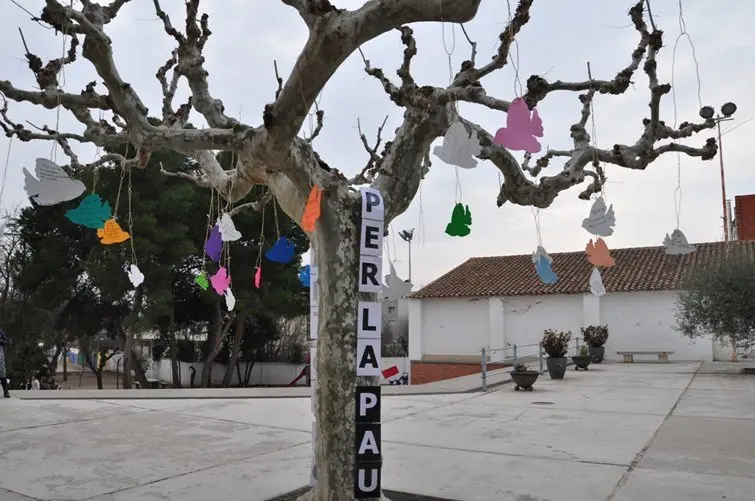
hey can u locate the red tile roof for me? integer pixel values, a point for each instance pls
(636, 269)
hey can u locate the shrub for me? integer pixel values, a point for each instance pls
(595, 335)
(556, 344)
(521, 368)
(583, 351)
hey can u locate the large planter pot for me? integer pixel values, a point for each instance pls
(581, 362)
(524, 379)
(556, 367)
(596, 353)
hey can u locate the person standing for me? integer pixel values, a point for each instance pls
(3, 380)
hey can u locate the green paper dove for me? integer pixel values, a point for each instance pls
(461, 220)
(201, 281)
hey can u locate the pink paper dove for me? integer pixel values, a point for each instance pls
(521, 128)
(258, 277)
(221, 281)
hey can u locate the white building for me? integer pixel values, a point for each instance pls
(494, 302)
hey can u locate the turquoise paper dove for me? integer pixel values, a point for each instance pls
(461, 220)
(92, 212)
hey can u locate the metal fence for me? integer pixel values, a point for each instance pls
(513, 354)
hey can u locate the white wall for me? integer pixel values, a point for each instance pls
(453, 326)
(636, 321)
(646, 321)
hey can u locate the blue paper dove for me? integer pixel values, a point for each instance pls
(92, 212)
(543, 266)
(304, 276)
(282, 251)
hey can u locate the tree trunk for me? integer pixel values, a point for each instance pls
(218, 330)
(65, 364)
(128, 364)
(98, 375)
(174, 367)
(141, 376)
(248, 372)
(238, 335)
(336, 247)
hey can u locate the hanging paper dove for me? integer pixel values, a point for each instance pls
(461, 220)
(201, 281)
(53, 186)
(92, 212)
(543, 266)
(230, 299)
(111, 233)
(459, 147)
(395, 288)
(677, 243)
(601, 220)
(312, 209)
(135, 275)
(282, 251)
(228, 231)
(304, 276)
(258, 277)
(221, 280)
(214, 244)
(598, 253)
(596, 283)
(521, 128)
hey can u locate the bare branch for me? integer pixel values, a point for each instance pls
(277, 79)
(410, 51)
(320, 115)
(257, 205)
(373, 164)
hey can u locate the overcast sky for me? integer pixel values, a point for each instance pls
(560, 38)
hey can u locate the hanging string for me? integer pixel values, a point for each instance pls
(261, 239)
(682, 33)
(5, 170)
(536, 216)
(514, 61)
(120, 185)
(54, 152)
(458, 195)
(454, 103)
(594, 135)
(131, 223)
(275, 218)
(421, 222)
(97, 154)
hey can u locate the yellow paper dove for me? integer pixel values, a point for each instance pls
(112, 233)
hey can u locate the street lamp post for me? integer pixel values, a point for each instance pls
(407, 236)
(708, 113)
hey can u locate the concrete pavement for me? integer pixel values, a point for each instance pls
(618, 432)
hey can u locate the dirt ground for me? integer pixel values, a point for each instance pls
(86, 380)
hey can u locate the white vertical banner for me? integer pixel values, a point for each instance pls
(369, 315)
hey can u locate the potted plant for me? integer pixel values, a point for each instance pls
(583, 358)
(556, 344)
(596, 336)
(523, 377)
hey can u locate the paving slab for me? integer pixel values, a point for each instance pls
(7, 495)
(548, 433)
(724, 382)
(20, 414)
(734, 404)
(101, 456)
(716, 446)
(645, 484)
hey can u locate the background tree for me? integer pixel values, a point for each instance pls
(718, 299)
(271, 154)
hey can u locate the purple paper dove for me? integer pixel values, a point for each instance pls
(221, 281)
(521, 128)
(214, 245)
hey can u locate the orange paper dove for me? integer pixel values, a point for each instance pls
(598, 254)
(112, 233)
(312, 209)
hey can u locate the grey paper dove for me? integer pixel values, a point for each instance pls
(395, 288)
(601, 220)
(677, 243)
(459, 147)
(53, 186)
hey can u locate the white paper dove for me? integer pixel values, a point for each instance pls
(459, 147)
(228, 231)
(53, 186)
(135, 275)
(677, 243)
(395, 288)
(596, 283)
(601, 220)
(230, 299)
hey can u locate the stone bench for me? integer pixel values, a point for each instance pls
(629, 355)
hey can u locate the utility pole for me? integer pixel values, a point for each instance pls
(707, 112)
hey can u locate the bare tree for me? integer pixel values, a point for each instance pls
(271, 154)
